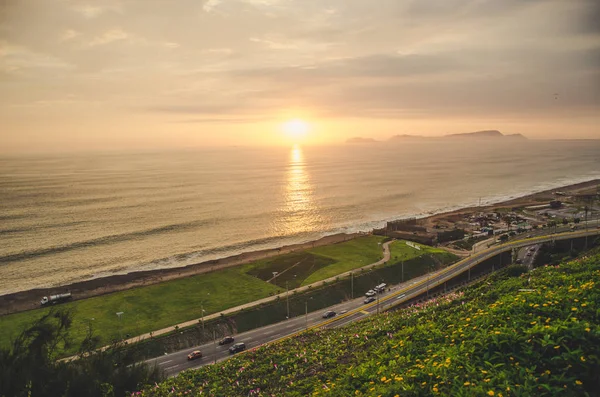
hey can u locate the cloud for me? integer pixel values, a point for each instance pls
(18, 60)
(69, 34)
(210, 4)
(110, 36)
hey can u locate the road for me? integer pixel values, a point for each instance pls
(348, 311)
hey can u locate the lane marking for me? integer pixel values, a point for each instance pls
(165, 362)
(364, 312)
(173, 366)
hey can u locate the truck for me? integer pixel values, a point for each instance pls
(54, 299)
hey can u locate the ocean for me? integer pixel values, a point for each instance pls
(67, 218)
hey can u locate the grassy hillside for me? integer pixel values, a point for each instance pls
(162, 305)
(150, 308)
(513, 334)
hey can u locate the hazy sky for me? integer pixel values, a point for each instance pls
(183, 73)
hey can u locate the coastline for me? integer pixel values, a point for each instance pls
(28, 299)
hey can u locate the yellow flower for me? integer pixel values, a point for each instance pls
(578, 382)
(557, 347)
(574, 309)
(587, 329)
(467, 383)
(491, 393)
(582, 358)
(583, 304)
(383, 379)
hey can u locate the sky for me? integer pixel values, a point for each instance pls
(152, 74)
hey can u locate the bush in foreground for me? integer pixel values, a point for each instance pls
(534, 334)
(29, 367)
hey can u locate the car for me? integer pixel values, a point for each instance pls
(519, 261)
(194, 355)
(329, 314)
(370, 293)
(370, 299)
(529, 254)
(238, 347)
(226, 340)
(380, 288)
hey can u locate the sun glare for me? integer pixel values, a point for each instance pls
(295, 129)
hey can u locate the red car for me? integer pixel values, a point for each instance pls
(194, 355)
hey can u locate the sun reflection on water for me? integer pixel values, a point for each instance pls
(299, 212)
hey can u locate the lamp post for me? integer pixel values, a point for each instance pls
(202, 308)
(120, 314)
(287, 299)
(352, 285)
(306, 314)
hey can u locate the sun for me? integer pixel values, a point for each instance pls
(295, 129)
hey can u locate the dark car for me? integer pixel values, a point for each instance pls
(329, 314)
(238, 347)
(370, 299)
(194, 355)
(226, 340)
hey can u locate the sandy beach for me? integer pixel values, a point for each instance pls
(27, 300)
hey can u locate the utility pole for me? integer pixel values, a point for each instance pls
(586, 226)
(377, 302)
(120, 314)
(215, 344)
(287, 298)
(202, 308)
(351, 285)
(403, 269)
(306, 313)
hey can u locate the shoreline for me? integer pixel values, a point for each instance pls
(29, 299)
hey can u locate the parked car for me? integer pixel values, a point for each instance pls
(370, 293)
(329, 314)
(194, 355)
(226, 340)
(380, 288)
(370, 299)
(238, 347)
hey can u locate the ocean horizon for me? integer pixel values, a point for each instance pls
(70, 217)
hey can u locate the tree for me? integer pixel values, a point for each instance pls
(577, 220)
(30, 366)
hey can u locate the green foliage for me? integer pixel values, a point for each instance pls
(29, 367)
(493, 339)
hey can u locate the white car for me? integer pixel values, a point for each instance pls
(371, 293)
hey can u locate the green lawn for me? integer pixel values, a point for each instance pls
(400, 251)
(349, 255)
(153, 307)
(293, 268)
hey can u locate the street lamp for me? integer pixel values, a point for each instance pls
(120, 314)
(287, 298)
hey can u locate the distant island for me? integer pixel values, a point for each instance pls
(485, 134)
(361, 140)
